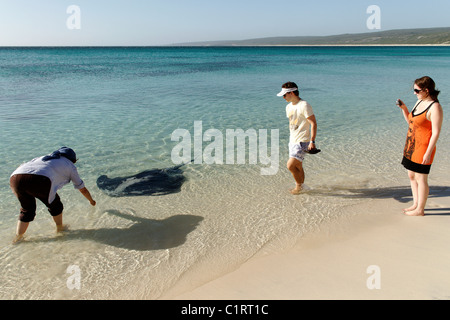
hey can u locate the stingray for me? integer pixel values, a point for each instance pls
(154, 182)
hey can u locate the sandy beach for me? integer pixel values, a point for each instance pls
(378, 254)
(228, 232)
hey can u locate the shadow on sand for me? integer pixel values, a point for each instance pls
(144, 234)
(401, 194)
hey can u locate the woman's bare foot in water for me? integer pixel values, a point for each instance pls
(18, 238)
(62, 228)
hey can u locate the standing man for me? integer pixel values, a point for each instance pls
(41, 178)
(303, 131)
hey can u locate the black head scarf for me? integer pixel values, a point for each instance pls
(62, 152)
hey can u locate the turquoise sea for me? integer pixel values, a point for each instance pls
(118, 108)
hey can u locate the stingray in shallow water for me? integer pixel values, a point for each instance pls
(153, 182)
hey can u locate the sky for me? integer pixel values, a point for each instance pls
(164, 22)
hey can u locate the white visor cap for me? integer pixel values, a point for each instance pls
(286, 90)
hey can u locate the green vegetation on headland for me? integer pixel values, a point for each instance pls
(429, 36)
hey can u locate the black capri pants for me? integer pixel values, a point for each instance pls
(28, 187)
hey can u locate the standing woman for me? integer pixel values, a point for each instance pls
(425, 122)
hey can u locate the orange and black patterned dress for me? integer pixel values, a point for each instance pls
(417, 141)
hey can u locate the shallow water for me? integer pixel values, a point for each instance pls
(118, 107)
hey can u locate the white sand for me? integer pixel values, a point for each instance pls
(412, 254)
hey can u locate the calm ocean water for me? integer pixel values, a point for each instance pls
(118, 107)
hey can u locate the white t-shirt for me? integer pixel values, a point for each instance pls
(299, 126)
(60, 172)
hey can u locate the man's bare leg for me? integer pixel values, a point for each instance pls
(296, 168)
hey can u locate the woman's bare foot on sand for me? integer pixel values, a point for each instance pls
(415, 213)
(412, 208)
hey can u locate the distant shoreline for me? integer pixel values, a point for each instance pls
(399, 37)
(314, 45)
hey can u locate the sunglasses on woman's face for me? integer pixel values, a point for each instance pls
(417, 91)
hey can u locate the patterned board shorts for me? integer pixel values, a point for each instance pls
(297, 150)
